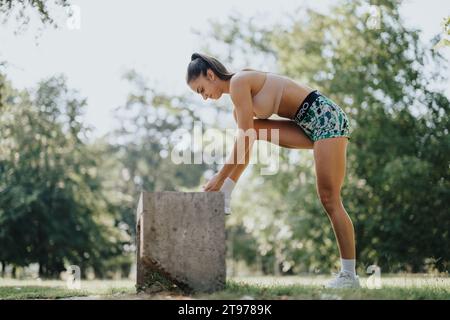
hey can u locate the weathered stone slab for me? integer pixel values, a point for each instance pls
(181, 241)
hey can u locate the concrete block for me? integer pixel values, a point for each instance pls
(181, 241)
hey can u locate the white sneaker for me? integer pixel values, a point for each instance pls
(344, 280)
(227, 206)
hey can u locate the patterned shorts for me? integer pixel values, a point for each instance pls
(321, 118)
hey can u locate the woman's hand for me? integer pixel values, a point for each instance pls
(214, 184)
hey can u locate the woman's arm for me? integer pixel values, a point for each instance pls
(243, 112)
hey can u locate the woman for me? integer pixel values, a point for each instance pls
(313, 122)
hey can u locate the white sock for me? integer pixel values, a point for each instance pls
(348, 265)
(227, 187)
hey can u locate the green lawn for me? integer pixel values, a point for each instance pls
(293, 287)
(54, 289)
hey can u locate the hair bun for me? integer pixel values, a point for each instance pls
(195, 56)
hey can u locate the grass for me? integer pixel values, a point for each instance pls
(401, 287)
(393, 288)
(55, 289)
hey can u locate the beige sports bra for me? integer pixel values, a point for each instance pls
(267, 100)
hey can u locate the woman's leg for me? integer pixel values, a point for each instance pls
(290, 135)
(330, 163)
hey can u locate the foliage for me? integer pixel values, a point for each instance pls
(22, 9)
(52, 207)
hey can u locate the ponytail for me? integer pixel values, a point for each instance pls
(200, 63)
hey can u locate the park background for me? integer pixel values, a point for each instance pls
(90, 101)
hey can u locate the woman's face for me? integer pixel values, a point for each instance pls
(207, 87)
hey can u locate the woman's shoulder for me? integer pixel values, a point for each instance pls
(246, 75)
(250, 72)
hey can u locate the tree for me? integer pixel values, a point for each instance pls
(444, 42)
(24, 8)
(52, 207)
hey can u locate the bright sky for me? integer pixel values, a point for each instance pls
(156, 40)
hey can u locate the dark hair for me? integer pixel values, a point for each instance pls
(200, 63)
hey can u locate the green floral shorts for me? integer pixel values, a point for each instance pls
(321, 118)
